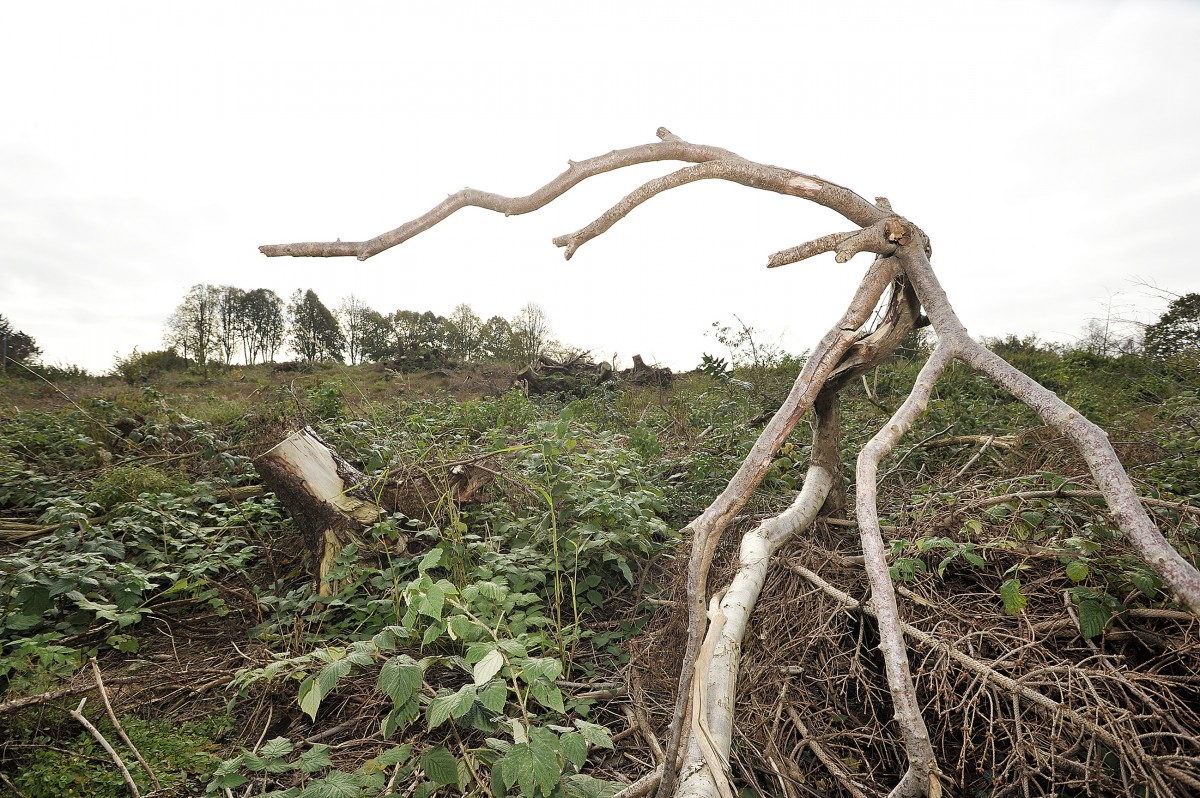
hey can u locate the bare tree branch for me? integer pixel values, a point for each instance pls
(670, 148)
(921, 760)
(1091, 441)
(903, 252)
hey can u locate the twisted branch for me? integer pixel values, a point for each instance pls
(670, 148)
(903, 249)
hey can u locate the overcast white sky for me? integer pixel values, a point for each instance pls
(1050, 149)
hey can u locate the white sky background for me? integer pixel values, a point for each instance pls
(1050, 149)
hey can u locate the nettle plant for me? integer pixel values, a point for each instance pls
(535, 739)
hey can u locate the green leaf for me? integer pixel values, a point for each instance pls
(265, 764)
(439, 710)
(581, 786)
(432, 602)
(401, 717)
(432, 559)
(394, 756)
(386, 640)
(461, 627)
(547, 694)
(276, 748)
(310, 698)
(1093, 617)
(228, 781)
(335, 785)
(400, 677)
(973, 527)
(594, 733)
(1033, 518)
(546, 768)
(1147, 583)
(535, 668)
(487, 668)
(574, 748)
(1014, 600)
(1077, 570)
(330, 674)
(440, 766)
(314, 759)
(523, 761)
(974, 559)
(464, 700)
(494, 695)
(434, 631)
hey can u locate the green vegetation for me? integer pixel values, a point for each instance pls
(478, 649)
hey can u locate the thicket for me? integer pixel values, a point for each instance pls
(508, 646)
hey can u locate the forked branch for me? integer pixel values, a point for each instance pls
(902, 262)
(727, 166)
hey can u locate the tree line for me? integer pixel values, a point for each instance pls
(220, 325)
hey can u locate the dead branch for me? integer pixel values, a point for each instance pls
(670, 148)
(1068, 493)
(995, 441)
(922, 761)
(112, 716)
(903, 249)
(77, 713)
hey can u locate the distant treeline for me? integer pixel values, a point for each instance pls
(223, 325)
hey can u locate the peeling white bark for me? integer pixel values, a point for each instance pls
(724, 639)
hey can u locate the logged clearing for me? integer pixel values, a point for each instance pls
(525, 635)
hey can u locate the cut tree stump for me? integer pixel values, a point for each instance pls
(324, 495)
(332, 501)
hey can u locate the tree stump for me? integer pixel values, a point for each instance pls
(324, 495)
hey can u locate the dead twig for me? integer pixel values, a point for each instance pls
(112, 716)
(77, 713)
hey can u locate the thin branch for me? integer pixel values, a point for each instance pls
(77, 713)
(17, 704)
(878, 238)
(832, 764)
(736, 171)
(670, 148)
(1182, 507)
(112, 716)
(987, 443)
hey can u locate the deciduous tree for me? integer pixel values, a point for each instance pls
(192, 328)
(315, 334)
(265, 325)
(1177, 330)
(230, 321)
(463, 333)
(352, 315)
(531, 332)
